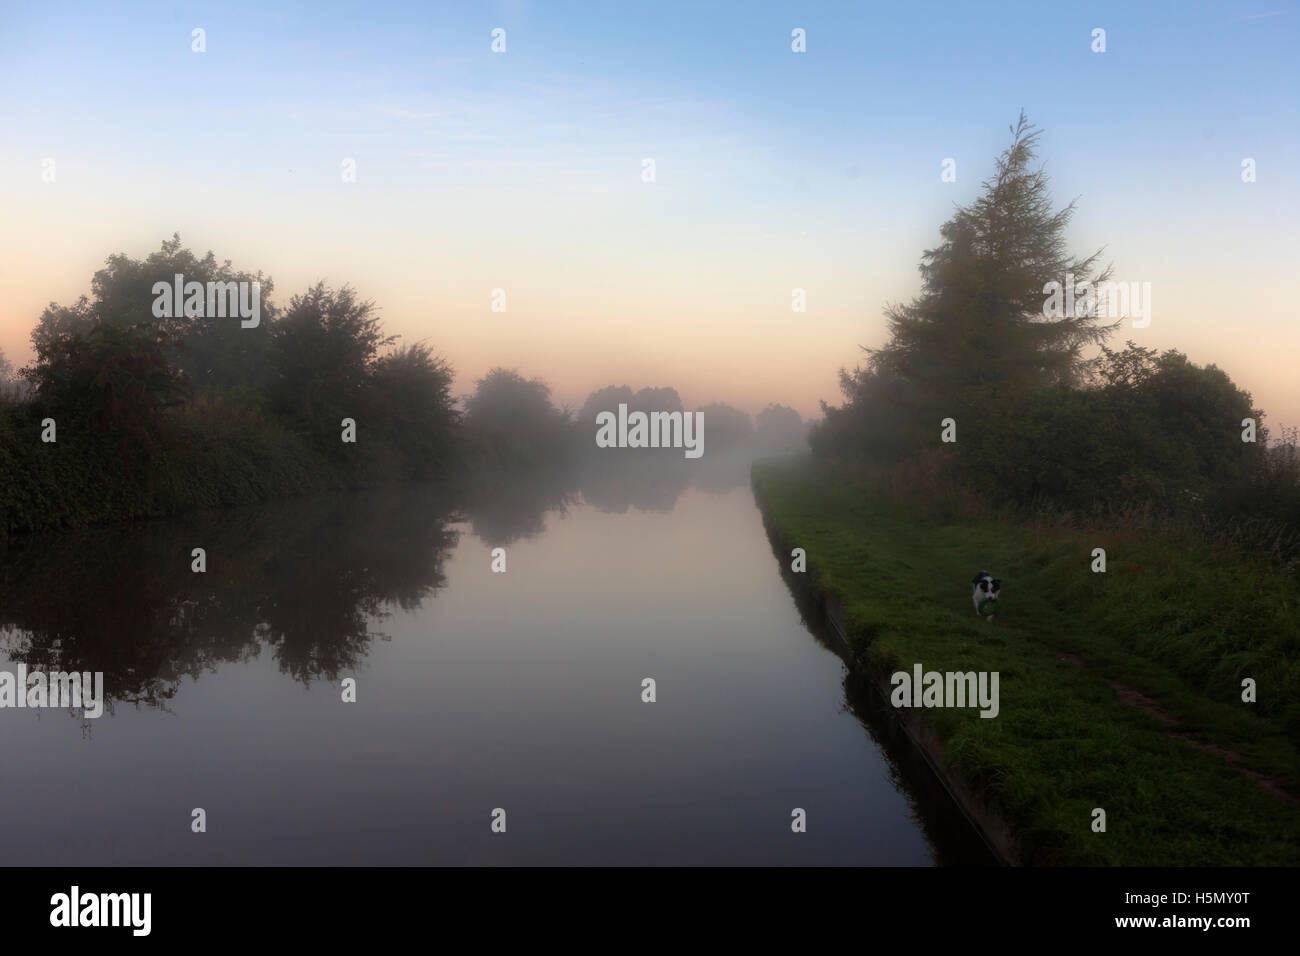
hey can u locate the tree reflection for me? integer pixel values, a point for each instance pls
(309, 580)
(510, 506)
(615, 479)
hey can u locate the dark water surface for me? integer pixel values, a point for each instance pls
(475, 690)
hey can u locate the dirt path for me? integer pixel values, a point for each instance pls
(1142, 702)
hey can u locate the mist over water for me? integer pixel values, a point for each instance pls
(475, 690)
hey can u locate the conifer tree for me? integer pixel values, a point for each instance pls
(977, 337)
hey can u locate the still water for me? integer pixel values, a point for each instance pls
(475, 690)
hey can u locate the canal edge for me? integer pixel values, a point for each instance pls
(990, 825)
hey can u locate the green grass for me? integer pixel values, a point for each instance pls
(1172, 618)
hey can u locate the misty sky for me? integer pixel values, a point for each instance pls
(774, 170)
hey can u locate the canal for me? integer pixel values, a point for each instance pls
(476, 690)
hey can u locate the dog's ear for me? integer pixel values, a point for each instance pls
(979, 577)
(997, 584)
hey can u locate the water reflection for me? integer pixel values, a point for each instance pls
(503, 509)
(954, 839)
(304, 581)
(519, 689)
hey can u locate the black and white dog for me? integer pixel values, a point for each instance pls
(985, 595)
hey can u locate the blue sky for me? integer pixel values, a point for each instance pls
(774, 170)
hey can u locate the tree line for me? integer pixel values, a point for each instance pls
(1039, 418)
(146, 410)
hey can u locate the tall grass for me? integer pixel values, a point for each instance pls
(1215, 598)
(1177, 617)
(1259, 521)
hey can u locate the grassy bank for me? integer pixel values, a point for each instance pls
(1119, 690)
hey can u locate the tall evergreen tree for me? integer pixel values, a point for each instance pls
(977, 335)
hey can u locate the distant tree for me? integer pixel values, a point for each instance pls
(648, 399)
(779, 428)
(1156, 429)
(12, 386)
(1192, 417)
(977, 336)
(60, 321)
(215, 352)
(606, 399)
(725, 426)
(510, 423)
(656, 400)
(1129, 368)
(410, 405)
(322, 353)
(117, 379)
(503, 397)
